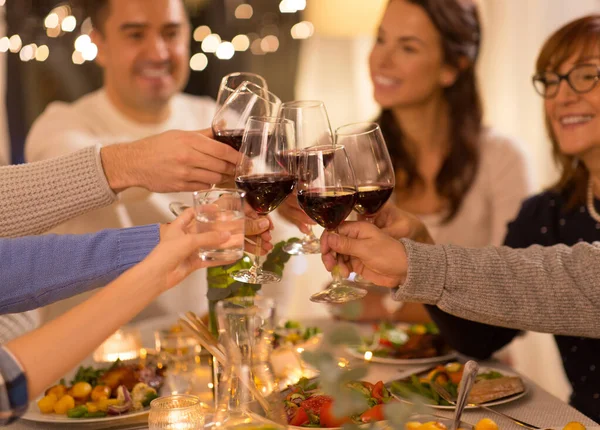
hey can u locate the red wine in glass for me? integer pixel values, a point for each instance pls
(232, 138)
(371, 198)
(328, 208)
(265, 193)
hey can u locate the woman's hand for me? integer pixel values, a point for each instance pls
(365, 249)
(400, 224)
(257, 225)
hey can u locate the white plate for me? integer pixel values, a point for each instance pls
(34, 414)
(406, 361)
(492, 403)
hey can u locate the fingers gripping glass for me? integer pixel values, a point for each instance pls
(581, 78)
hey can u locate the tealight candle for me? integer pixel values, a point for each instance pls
(177, 412)
(123, 344)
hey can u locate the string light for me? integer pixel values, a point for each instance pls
(51, 20)
(27, 53)
(269, 43)
(4, 44)
(211, 43)
(198, 62)
(81, 42)
(42, 53)
(69, 23)
(244, 11)
(241, 42)
(201, 32)
(291, 6)
(303, 30)
(90, 51)
(15, 43)
(77, 58)
(225, 51)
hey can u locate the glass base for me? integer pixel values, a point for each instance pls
(341, 293)
(303, 247)
(250, 277)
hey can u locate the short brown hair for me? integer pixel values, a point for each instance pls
(584, 34)
(97, 10)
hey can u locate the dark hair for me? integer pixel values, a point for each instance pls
(97, 10)
(457, 21)
(582, 33)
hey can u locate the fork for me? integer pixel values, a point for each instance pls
(444, 394)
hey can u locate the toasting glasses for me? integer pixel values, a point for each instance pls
(312, 128)
(267, 176)
(231, 82)
(327, 193)
(372, 166)
(247, 100)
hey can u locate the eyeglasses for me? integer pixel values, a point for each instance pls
(581, 78)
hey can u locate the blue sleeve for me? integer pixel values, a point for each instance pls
(39, 270)
(482, 340)
(14, 397)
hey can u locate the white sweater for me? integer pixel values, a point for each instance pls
(65, 128)
(502, 182)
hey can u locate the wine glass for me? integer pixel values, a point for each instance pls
(266, 176)
(327, 193)
(232, 81)
(372, 166)
(247, 100)
(312, 128)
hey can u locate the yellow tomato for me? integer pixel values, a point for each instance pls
(64, 404)
(46, 403)
(81, 390)
(412, 425)
(574, 425)
(487, 424)
(91, 407)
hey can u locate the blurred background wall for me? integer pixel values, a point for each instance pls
(315, 49)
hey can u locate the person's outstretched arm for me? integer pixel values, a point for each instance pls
(553, 289)
(38, 196)
(22, 378)
(40, 270)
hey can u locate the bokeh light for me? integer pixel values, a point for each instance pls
(69, 23)
(201, 32)
(211, 43)
(42, 53)
(198, 62)
(90, 52)
(303, 30)
(77, 58)
(15, 43)
(269, 43)
(225, 51)
(244, 11)
(241, 42)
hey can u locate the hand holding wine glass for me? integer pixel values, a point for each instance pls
(327, 193)
(266, 177)
(312, 128)
(247, 100)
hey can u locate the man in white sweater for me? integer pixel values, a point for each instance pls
(143, 48)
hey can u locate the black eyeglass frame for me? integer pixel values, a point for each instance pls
(566, 77)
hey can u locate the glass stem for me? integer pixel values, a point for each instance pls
(256, 267)
(310, 236)
(336, 273)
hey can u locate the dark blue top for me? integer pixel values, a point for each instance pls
(543, 220)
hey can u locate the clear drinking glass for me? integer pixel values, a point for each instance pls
(268, 175)
(327, 193)
(232, 81)
(248, 389)
(312, 128)
(372, 166)
(221, 209)
(247, 100)
(177, 412)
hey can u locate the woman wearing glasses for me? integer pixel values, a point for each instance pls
(568, 71)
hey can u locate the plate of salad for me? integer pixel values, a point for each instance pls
(404, 344)
(307, 406)
(293, 334)
(492, 386)
(99, 394)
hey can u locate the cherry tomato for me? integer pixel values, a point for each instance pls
(328, 419)
(300, 418)
(315, 404)
(377, 391)
(373, 414)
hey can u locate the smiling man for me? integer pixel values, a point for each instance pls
(143, 49)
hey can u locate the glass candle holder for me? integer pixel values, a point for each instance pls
(124, 344)
(177, 412)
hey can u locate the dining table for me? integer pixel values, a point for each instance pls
(537, 407)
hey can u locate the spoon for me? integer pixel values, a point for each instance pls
(464, 388)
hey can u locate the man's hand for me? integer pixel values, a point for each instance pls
(257, 225)
(291, 211)
(366, 250)
(400, 224)
(169, 162)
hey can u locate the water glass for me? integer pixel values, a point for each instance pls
(221, 209)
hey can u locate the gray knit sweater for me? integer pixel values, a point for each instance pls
(548, 289)
(35, 197)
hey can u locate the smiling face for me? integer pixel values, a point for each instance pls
(144, 51)
(574, 117)
(407, 60)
